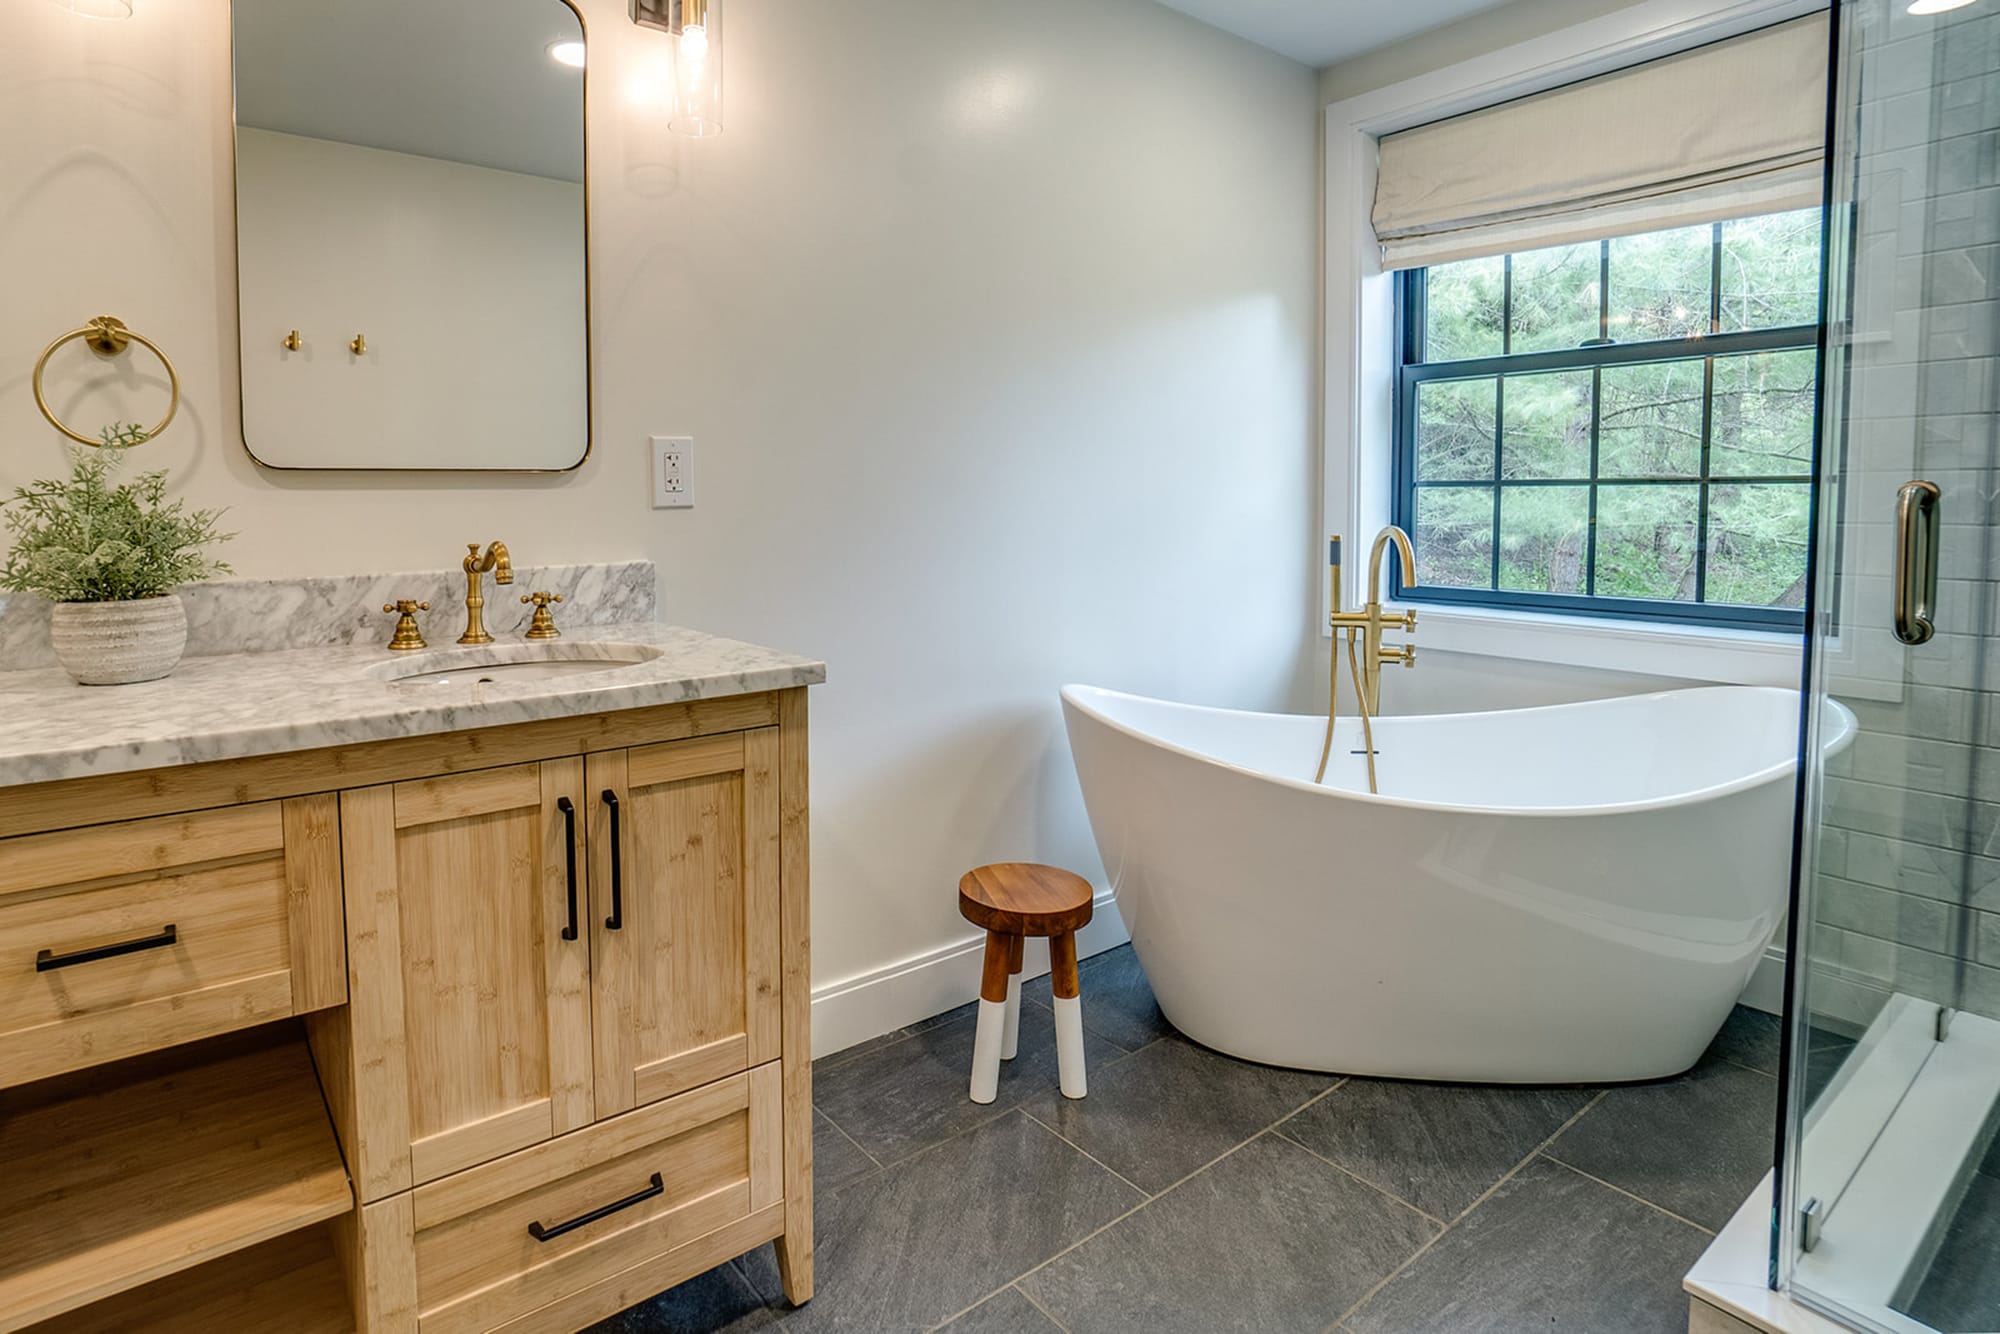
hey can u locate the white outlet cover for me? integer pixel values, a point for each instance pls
(673, 472)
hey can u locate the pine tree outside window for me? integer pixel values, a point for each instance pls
(1616, 428)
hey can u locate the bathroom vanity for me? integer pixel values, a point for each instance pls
(342, 990)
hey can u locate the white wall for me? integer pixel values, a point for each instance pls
(467, 283)
(1465, 682)
(994, 326)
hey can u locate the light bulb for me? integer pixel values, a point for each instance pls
(698, 62)
(567, 53)
(1936, 6)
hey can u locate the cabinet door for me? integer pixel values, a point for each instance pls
(459, 892)
(124, 938)
(684, 911)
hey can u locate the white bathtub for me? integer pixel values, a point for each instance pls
(1557, 895)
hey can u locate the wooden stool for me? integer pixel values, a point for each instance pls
(1013, 901)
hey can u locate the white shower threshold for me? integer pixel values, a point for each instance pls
(1891, 1146)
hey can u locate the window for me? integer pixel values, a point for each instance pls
(1615, 428)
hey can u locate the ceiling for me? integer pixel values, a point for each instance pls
(1324, 32)
(463, 80)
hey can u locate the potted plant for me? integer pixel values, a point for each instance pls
(110, 557)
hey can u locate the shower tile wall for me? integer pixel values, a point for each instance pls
(1908, 870)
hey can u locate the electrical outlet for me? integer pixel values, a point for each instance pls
(673, 472)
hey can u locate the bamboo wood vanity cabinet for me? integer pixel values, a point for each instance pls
(482, 1030)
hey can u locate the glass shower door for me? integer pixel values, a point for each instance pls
(1889, 1217)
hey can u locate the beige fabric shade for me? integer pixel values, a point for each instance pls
(1723, 131)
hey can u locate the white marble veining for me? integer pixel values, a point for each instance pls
(241, 704)
(270, 615)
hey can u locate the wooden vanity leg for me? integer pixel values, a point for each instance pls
(795, 1247)
(377, 1248)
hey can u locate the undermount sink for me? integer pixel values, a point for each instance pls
(516, 663)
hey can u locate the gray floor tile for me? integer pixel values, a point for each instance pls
(1828, 1052)
(1158, 1115)
(1696, 1145)
(1437, 1146)
(950, 1016)
(1751, 1038)
(720, 1300)
(1962, 1289)
(1118, 1002)
(1007, 1312)
(907, 1247)
(1270, 1238)
(846, 1054)
(837, 1159)
(1549, 1250)
(899, 1099)
(1748, 1037)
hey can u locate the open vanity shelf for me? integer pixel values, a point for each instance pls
(291, 1283)
(108, 1189)
(503, 1028)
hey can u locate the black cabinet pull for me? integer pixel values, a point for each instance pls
(617, 918)
(48, 960)
(540, 1233)
(568, 808)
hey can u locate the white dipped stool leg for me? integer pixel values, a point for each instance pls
(1069, 1015)
(1011, 1042)
(1069, 1046)
(988, 1039)
(986, 1044)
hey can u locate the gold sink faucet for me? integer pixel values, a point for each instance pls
(475, 565)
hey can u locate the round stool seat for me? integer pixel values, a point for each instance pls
(1023, 899)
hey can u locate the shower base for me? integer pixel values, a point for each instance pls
(1893, 1155)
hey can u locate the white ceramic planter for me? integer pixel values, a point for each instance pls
(117, 643)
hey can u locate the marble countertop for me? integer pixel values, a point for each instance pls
(237, 705)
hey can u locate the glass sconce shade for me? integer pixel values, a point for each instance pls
(99, 9)
(698, 70)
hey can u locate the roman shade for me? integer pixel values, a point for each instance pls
(1726, 130)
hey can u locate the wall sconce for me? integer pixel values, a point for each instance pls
(697, 29)
(99, 9)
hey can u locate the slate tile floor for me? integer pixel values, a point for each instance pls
(1192, 1192)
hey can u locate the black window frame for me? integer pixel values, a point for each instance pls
(1412, 371)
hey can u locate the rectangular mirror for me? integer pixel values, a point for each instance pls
(411, 237)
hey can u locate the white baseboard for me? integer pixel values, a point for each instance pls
(1766, 991)
(870, 1004)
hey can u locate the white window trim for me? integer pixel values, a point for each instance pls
(1360, 373)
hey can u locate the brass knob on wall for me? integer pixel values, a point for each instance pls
(293, 342)
(407, 637)
(359, 347)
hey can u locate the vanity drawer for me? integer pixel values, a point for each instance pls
(544, 1225)
(124, 938)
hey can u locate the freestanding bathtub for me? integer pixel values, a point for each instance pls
(1572, 894)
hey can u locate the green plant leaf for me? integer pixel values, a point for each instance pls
(83, 539)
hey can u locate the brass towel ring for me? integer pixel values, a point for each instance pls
(108, 337)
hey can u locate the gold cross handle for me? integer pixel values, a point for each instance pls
(543, 625)
(408, 637)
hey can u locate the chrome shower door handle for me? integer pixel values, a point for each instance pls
(1916, 561)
